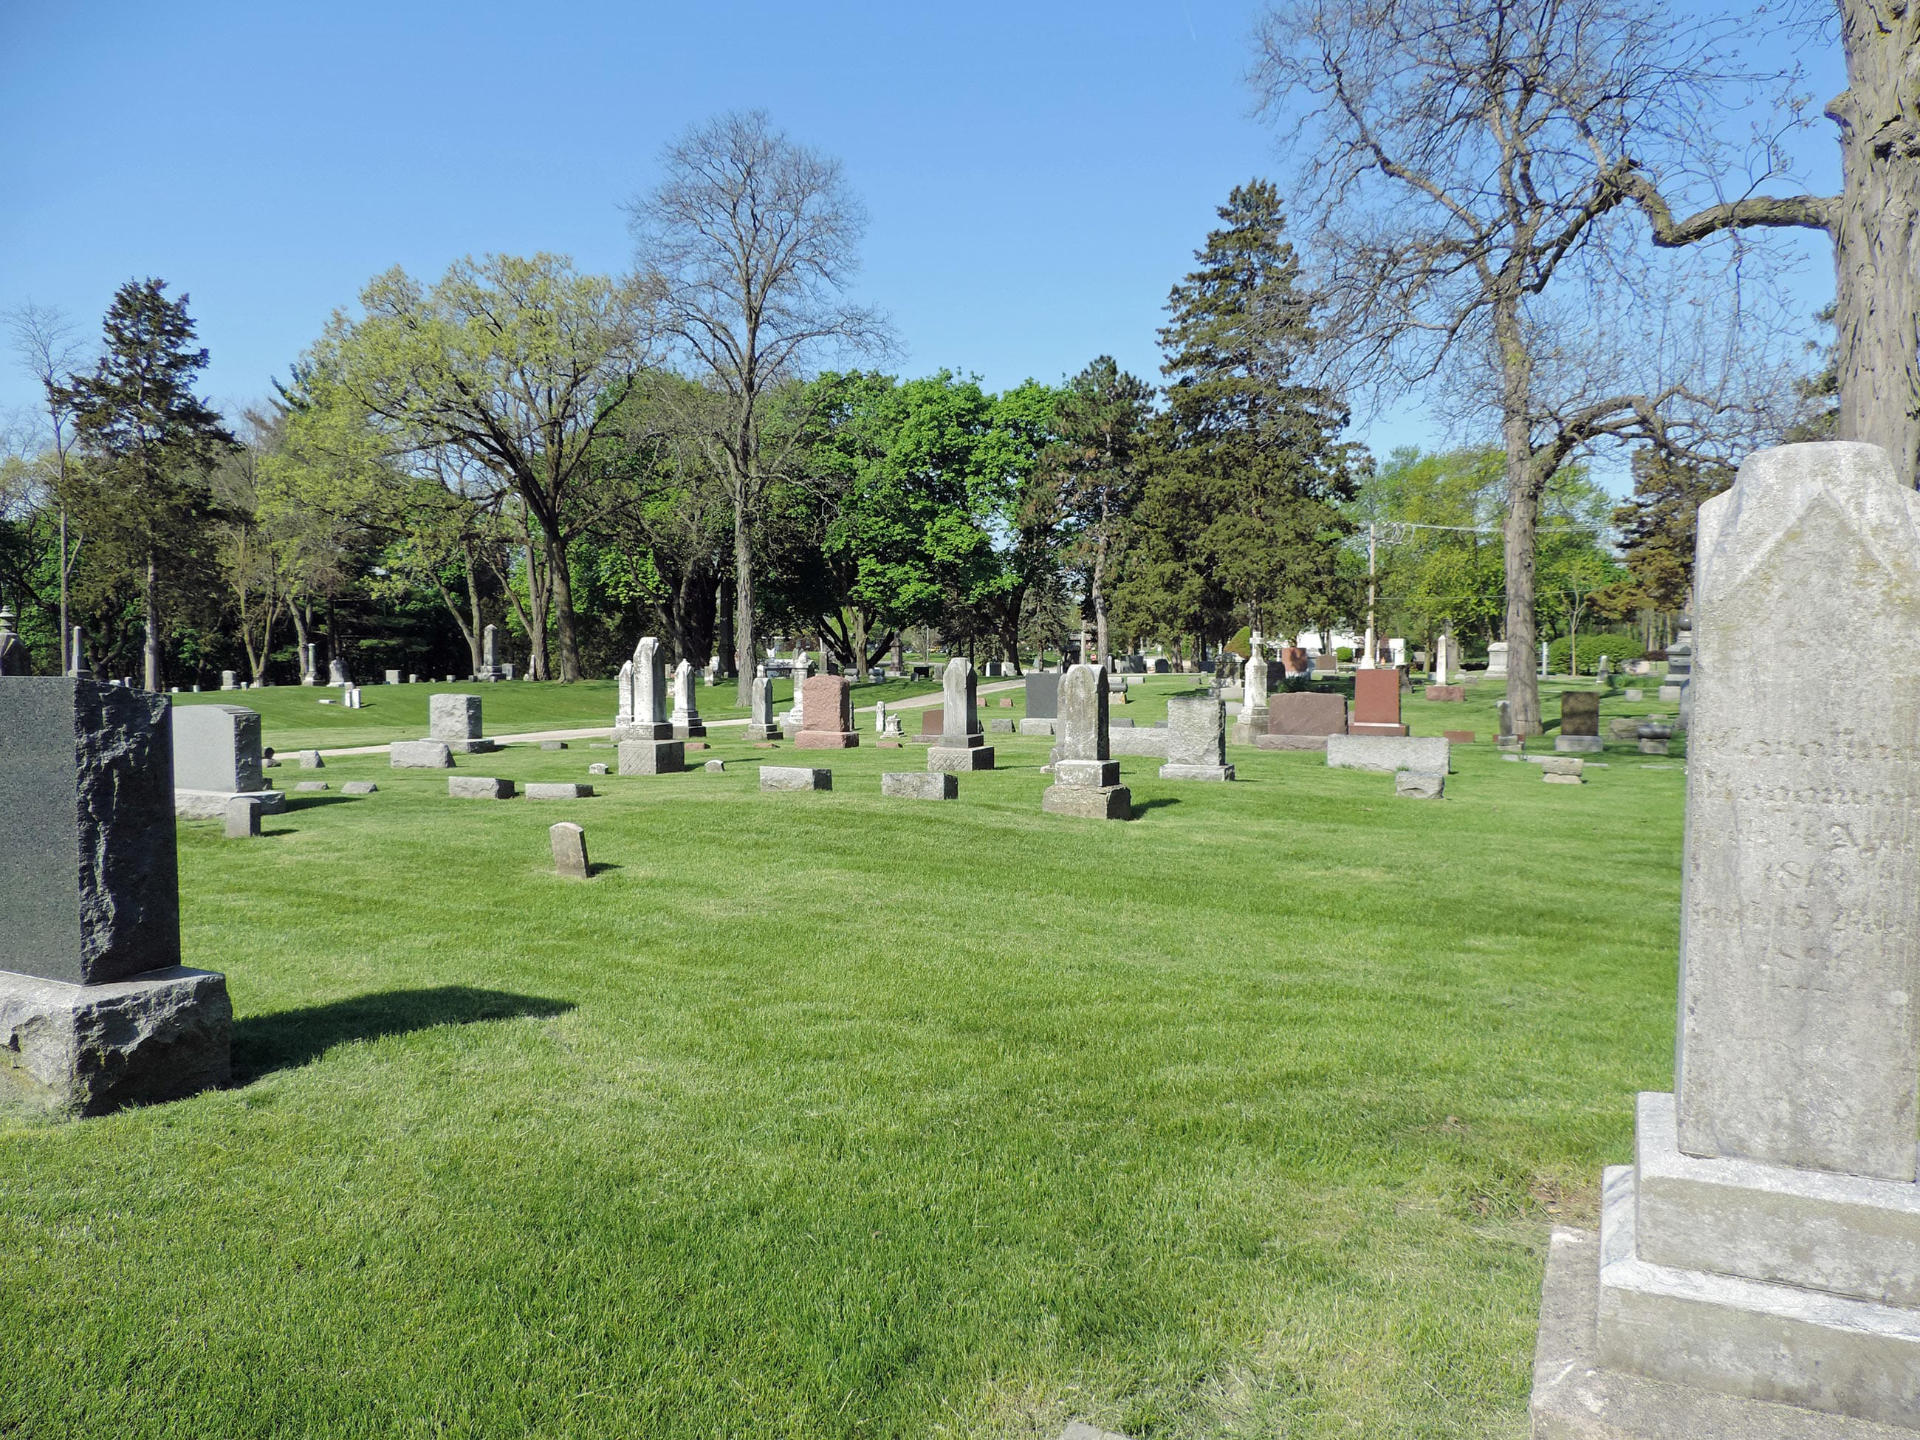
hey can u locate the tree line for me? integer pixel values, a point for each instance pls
(712, 446)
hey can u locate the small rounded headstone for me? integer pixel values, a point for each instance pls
(570, 850)
(715, 767)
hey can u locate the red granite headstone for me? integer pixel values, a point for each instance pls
(1446, 692)
(1302, 720)
(1459, 737)
(1376, 703)
(827, 706)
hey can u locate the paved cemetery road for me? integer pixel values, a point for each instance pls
(601, 732)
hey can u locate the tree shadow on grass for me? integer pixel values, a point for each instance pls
(289, 1039)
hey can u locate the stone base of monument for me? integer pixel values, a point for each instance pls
(1670, 692)
(826, 740)
(794, 777)
(1032, 725)
(1578, 744)
(1575, 1397)
(919, 785)
(1290, 742)
(1250, 724)
(74, 1050)
(1427, 754)
(1196, 772)
(1375, 727)
(652, 757)
(1138, 740)
(419, 755)
(689, 732)
(479, 787)
(959, 759)
(1088, 802)
(1655, 747)
(475, 745)
(763, 732)
(212, 804)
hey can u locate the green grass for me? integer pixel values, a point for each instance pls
(292, 717)
(828, 1116)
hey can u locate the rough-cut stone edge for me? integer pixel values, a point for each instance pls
(652, 757)
(478, 787)
(1196, 772)
(1575, 1398)
(1082, 802)
(786, 777)
(1289, 742)
(1427, 754)
(212, 804)
(556, 790)
(56, 1042)
(1578, 744)
(920, 784)
(419, 755)
(958, 760)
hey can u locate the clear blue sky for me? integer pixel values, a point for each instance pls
(1037, 175)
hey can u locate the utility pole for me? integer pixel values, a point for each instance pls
(1366, 660)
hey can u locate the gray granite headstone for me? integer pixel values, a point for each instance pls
(685, 719)
(961, 744)
(1043, 695)
(216, 747)
(87, 861)
(242, 817)
(760, 723)
(1085, 776)
(453, 717)
(1196, 739)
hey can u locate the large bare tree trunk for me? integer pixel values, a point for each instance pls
(1524, 483)
(152, 647)
(1875, 248)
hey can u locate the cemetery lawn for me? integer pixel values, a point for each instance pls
(818, 1115)
(292, 717)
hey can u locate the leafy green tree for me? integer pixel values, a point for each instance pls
(149, 444)
(1022, 515)
(511, 365)
(893, 472)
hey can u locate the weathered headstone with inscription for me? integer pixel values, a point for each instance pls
(1765, 1244)
(646, 742)
(1086, 777)
(961, 745)
(686, 721)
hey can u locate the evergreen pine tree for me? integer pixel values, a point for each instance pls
(1242, 505)
(149, 443)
